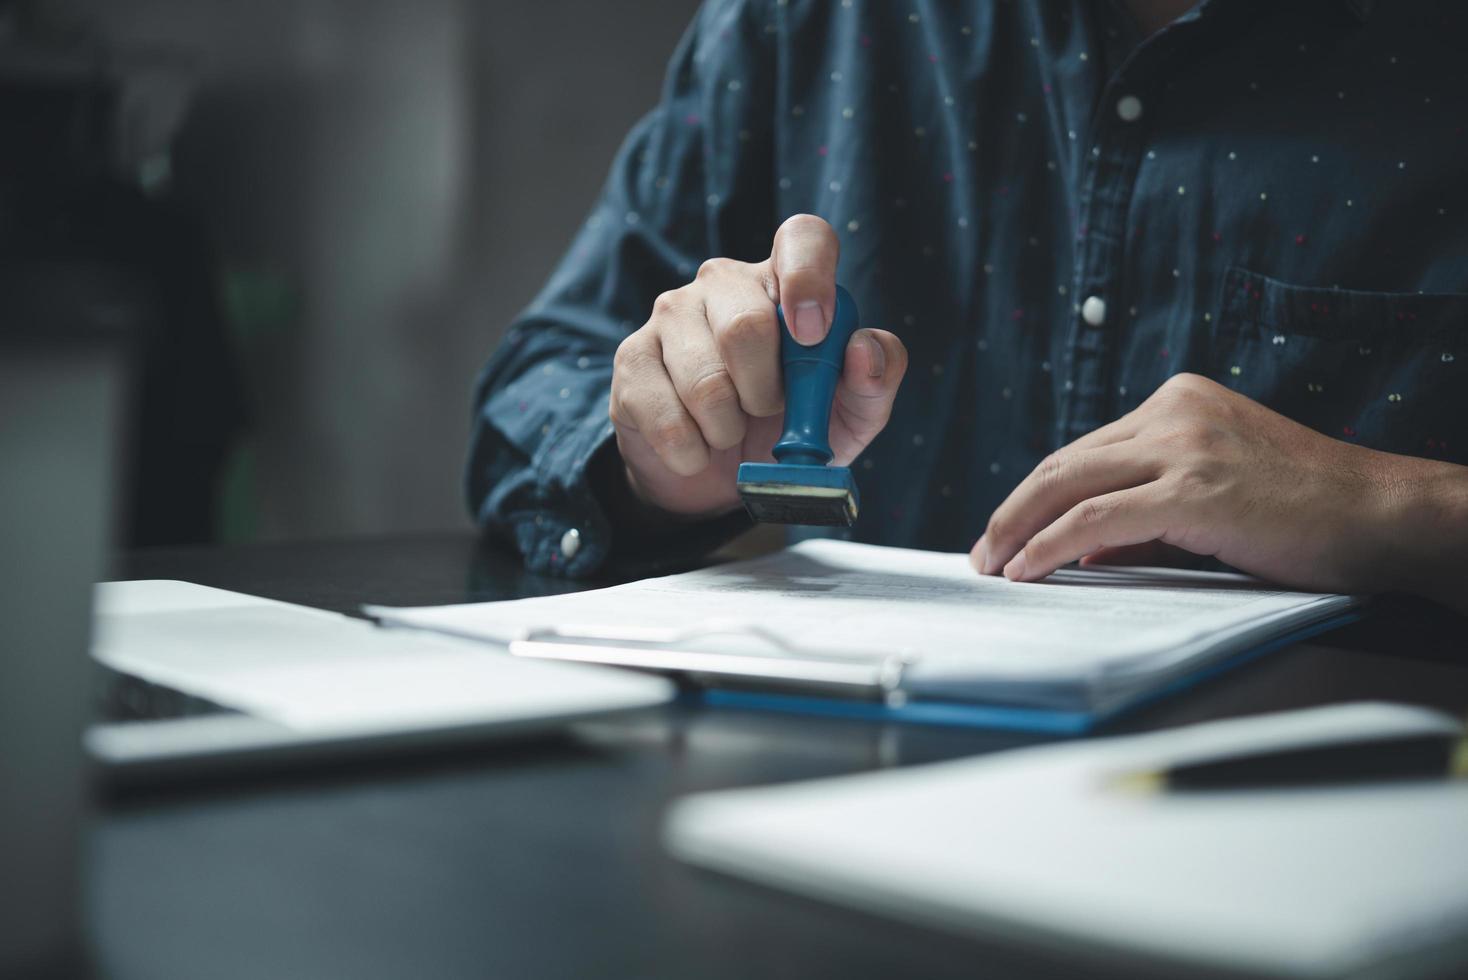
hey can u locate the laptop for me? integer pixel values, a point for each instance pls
(197, 679)
(183, 679)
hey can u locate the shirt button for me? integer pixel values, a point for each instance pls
(1129, 108)
(1093, 311)
(570, 543)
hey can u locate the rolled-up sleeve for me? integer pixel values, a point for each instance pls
(694, 179)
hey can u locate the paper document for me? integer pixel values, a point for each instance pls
(1038, 844)
(1081, 639)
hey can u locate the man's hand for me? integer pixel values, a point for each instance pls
(698, 389)
(1201, 468)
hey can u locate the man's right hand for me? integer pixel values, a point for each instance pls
(698, 389)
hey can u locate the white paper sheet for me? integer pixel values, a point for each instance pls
(963, 631)
(1034, 843)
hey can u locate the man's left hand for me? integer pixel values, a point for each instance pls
(1201, 468)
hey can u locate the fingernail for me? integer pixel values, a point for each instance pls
(991, 563)
(979, 557)
(810, 322)
(878, 357)
(1015, 570)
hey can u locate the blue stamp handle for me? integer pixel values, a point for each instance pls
(811, 374)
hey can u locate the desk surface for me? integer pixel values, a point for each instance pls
(542, 859)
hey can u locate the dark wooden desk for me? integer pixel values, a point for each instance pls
(542, 859)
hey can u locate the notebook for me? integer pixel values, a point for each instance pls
(837, 627)
(192, 678)
(1036, 845)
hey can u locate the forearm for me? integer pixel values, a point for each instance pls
(542, 441)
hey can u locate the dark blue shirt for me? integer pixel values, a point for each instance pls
(1054, 213)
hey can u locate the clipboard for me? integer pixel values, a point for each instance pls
(864, 688)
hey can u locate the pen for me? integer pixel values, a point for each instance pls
(1438, 756)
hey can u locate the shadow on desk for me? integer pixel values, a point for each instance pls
(383, 766)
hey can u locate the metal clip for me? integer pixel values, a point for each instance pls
(785, 668)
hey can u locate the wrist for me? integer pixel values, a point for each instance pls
(646, 509)
(1424, 543)
(629, 510)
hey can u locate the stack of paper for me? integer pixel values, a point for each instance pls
(1089, 641)
(1039, 843)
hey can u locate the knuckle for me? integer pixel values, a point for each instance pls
(667, 304)
(673, 436)
(1173, 387)
(762, 398)
(1182, 392)
(617, 409)
(623, 357)
(803, 225)
(806, 272)
(1182, 381)
(764, 275)
(714, 392)
(731, 437)
(1094, 512)
(715, 266)
(1053, 470)
(748, 327)
(631, 356)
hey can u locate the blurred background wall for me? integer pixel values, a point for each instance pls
(381, 185)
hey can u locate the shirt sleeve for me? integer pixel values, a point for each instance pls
(693, 179)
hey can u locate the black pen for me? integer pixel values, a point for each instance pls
(1404, 757)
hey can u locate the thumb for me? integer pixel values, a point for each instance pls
(803, 261)
(870, 376)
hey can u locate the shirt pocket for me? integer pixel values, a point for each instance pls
(1379, 369)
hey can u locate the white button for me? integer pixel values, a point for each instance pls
(1129, 108)
(1093, 311)
(570, 543)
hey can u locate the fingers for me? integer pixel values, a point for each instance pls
(803, 262)
(1154, 554)
(1111, 520)
(875, 364)
(741, 317)
(1109, 434)
(1061, 482)
(699, 376)
(644, 400)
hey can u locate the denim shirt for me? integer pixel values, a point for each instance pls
(1053, 212)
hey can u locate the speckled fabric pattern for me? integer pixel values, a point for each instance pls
(1054, 214)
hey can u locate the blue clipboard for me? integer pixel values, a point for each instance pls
(1043, 721)
(857, 690)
